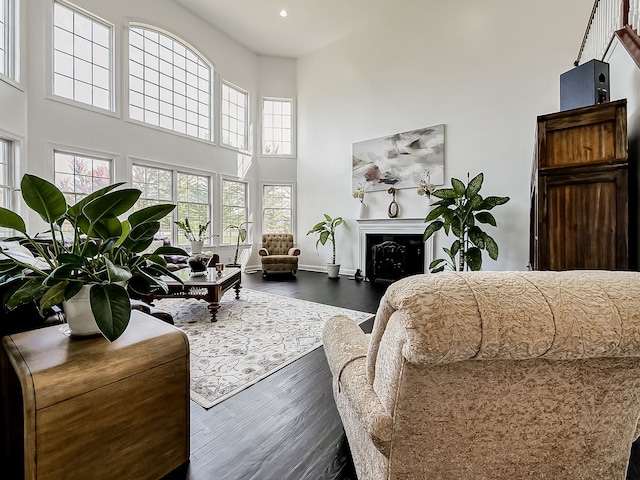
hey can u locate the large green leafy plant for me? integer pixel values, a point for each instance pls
(460, 211)
(241, 236)
(101, 251)
(326, 231)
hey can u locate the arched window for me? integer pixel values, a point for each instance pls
(169, 84)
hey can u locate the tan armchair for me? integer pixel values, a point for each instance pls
(278, 253)
(497, 375)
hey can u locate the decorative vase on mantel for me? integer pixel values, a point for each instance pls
(363, 210)
(196, 246)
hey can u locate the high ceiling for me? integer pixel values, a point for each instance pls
(310, 24)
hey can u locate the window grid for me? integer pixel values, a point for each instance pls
(4, 37)
(277, 131)
(277, 213)
(169, 84)
(79, 175)
(82, 54)
(5, 180)
(193, 203)
(234, 208)
(156, 185)
(234, 117)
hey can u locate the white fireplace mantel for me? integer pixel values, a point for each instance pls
(380, 226)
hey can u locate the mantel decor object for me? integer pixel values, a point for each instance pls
(393, 209)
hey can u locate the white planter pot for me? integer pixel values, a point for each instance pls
(363, 210)
(333, 270)
(196, 247)
(77, 310)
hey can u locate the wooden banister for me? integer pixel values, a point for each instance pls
(630, 41)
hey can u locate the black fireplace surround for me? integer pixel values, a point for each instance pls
(390, 257)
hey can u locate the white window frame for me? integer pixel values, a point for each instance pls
(174, 169)
(113, 109)
(293, 202)
(7, 190)
(12, 43)
(224, 178)
(293, 127)
(245, 147)
(211, 93)
(69, 150)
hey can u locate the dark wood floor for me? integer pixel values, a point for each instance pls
(285, 426)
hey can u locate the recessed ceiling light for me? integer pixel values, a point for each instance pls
(283, 13)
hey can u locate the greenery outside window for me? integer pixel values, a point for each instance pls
(170, 85)
(235, 117)
(277, 209)
(278, 135)
(6, 183)
(234, 208)
(82, 57)
(193, 203)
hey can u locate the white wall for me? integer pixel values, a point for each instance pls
(484, 69)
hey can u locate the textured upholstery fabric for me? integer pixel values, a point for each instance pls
(493, 375)
(278, 253)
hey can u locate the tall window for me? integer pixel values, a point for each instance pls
(193, 201)
(277, 211)
(8, 30)
(156, 185)
(169, 84)
(5, 179)
(234, 208)
(79, 175)
(234, 117)
(277, 127)
(82, 66)
(191, 194)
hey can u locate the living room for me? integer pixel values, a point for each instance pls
(484, 70)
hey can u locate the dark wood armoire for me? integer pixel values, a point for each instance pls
(580, 190)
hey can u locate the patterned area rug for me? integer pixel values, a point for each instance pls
(254, 337)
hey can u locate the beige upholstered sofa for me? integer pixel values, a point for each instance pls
(493, 375)
(278, 253)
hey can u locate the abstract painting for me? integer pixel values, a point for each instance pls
(400, 160)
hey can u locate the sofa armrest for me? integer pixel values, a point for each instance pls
(294, 251)
(345, 345)
(263, 252)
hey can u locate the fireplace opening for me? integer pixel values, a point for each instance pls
(390, 257)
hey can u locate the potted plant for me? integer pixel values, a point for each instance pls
(196, 240)
(326, 231)
(94, 262)
(460, 210)
(240, 237)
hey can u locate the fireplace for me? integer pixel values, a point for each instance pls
(390, 249)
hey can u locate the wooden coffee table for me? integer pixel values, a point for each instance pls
(209, 287)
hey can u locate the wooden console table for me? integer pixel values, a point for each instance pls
(87, 408)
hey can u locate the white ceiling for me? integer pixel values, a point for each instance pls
(310, 25)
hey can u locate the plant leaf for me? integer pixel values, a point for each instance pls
(43, 197)
(491, 246)
(445, 193)
(474, 185)
(458, 187)
(116, 273)
(111, 307)
(473, 258)
(111, 204)
(436, 212)
(491, 202)
(432, 228)
(30, 289)
(53, 296)
(486, 217)
(76, 209)
(10, 219)
(151, 214)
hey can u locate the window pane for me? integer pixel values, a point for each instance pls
(82, 58)
(277, 131)
(234, 117)
(234, 208)
(193, 203)
(164, 63)
(277, 209)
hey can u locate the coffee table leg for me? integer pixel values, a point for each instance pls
(214, 307)
(237, 288)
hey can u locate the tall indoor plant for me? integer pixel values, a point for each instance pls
(460, 210)
(196, 240)
(241, 236)
(98, 257)
(326, 231)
